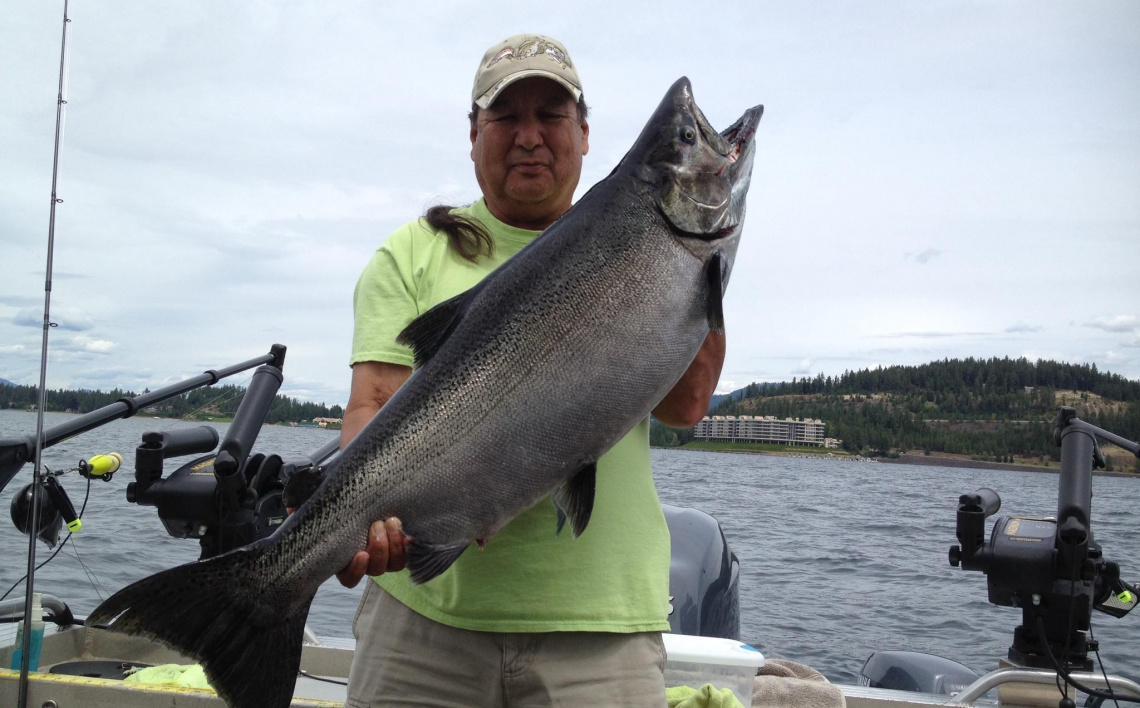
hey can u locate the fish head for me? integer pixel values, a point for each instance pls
(697, 178)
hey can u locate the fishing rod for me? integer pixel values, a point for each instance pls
(37, 473)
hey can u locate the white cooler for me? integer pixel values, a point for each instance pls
(725, 663)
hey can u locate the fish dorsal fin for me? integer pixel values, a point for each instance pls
(427, 333)
(574, 499)
(715, 305)
(427, 560)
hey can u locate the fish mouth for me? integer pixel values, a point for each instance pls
(738, 137)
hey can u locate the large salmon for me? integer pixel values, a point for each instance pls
(521, 384)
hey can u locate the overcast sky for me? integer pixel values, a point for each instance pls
(932, 179)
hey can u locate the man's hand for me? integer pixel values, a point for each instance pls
(386, 551)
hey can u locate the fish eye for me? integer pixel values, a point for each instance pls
(689, 135)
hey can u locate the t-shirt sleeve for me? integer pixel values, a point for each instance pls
(384, 303)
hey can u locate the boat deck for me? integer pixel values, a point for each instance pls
(331, 661)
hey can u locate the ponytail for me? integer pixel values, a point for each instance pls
(466, 236)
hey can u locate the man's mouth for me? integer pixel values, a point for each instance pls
(530, 167)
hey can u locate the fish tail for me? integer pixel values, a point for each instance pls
(246, 635)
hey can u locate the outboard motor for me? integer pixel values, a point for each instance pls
(915, 671)
(704, 576)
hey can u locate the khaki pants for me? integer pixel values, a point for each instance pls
(405, 659)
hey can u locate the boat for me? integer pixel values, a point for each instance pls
(224, 496)
(1024, 558)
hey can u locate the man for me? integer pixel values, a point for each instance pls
(533, 618)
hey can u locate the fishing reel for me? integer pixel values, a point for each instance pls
(1051, 568)
(54, 505)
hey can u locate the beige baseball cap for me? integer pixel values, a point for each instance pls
(519, 57)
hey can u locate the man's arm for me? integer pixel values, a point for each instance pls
(688, 401)
(373, 383)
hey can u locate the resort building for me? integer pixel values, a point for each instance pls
(768, 429)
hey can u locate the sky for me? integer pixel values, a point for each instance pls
(932, 179)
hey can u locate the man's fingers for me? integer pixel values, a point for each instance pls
(377, 548)
(385, 552)
(396, 540)
(351, 575)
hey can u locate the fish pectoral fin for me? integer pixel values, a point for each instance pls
(427, 333)
(427, 560)
(574, 499)
(715, 305)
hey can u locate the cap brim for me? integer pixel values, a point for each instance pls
(492, 93)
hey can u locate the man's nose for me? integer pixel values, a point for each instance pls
(529, 134)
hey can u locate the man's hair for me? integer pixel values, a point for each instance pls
(468, 237)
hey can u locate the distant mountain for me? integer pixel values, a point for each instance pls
(211, 402)
(719, 398)
(990, 408)
(752, 389)
(6, 382)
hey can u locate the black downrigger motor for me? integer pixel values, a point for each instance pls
(1051, 568)
(228, 498)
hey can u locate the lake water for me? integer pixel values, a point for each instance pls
(838, 559)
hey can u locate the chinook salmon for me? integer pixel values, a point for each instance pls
(602, 313)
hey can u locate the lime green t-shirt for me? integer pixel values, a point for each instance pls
(615, 576)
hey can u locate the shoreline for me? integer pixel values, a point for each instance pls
(924, 460)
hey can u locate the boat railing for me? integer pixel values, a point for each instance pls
(992, 680)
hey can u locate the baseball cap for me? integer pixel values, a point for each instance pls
(519, 57)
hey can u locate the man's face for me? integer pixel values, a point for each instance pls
(528, 148)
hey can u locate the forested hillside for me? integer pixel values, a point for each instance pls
(211, 401)
(991, 408)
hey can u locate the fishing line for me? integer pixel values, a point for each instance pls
(91, 578)
(231, 394)
(1100, 663)
(1108, 695)
(57, 551)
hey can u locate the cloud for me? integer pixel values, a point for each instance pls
(82, 343)
(100, 346)
(28, 317)
(924, 256)
(804, 368)
(68, 319)
(1022, 328)
(111, 377)
(1116, 323)
(932, 335)
(1111, 357)
(725, 387)
(21, 301)
(11, 348)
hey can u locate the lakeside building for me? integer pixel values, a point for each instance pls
(768, 428)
